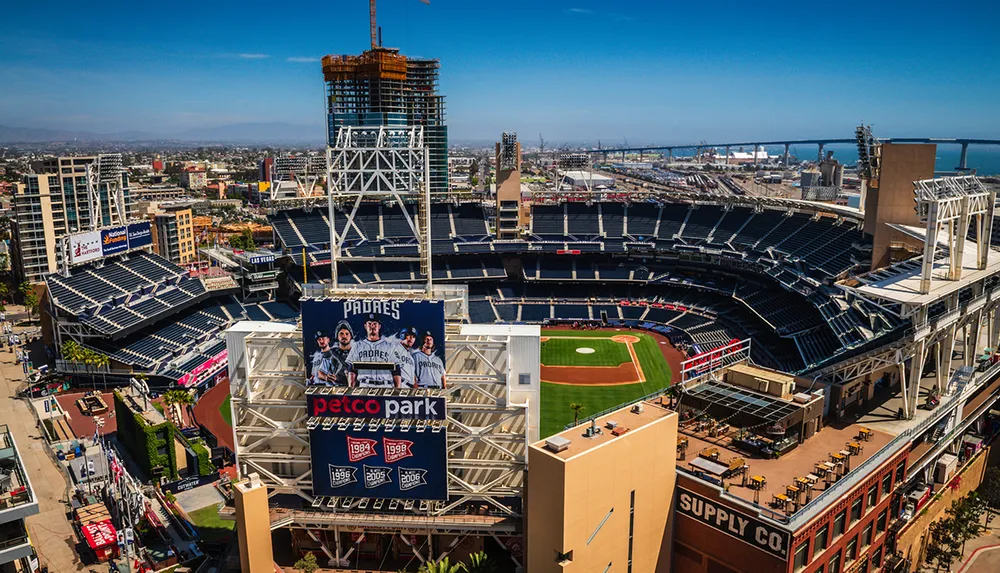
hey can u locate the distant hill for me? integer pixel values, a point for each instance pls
(255, 133)
(276, 132)
(35, 135)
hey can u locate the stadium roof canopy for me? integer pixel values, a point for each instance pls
(744, 403)
(900, 283)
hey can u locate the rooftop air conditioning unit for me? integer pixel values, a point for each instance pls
(557, 444)
(638, 408)
(612, 424)
(802, 398)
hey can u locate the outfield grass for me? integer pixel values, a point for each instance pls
(560, 351)
(211, 527)
(556, 398)
(226, 411)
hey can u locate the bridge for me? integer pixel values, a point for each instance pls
(820, 143)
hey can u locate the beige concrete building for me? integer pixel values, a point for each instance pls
(250, 498)
(508, 174)
(599, 496)
(173, 232)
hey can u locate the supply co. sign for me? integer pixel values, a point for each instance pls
(743, 527)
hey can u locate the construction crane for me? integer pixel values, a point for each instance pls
(376, 40)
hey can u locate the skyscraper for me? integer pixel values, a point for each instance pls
(384, 87)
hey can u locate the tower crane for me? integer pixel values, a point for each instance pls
(376, 41)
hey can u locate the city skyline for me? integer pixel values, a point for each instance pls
(574, 71)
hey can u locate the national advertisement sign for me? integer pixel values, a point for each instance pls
(139, 235)
(372, 343)
(748, 529)
(385, 462)
(85, 247)
(376, 407)
(114, 241)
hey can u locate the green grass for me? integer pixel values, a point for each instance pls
(556, 398)
(560, 351)
(211, 527)
(226, 411)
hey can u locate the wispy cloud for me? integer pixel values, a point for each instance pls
(305, 60)
(254, 56)
(580, 11)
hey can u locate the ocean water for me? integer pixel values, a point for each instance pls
(985, 159)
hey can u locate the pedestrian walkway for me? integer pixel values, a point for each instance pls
(51, 531)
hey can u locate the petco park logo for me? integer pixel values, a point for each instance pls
(360, 448)
(388, 407)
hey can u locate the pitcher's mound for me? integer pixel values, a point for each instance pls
(625, 338)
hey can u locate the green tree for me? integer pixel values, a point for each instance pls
(989, 490)
(966, 513)
(442, 566)
(946, 545)
(577, 408)
(30, 298)
(307, 564)
(4, 291)
(480, 562)
(243, 241)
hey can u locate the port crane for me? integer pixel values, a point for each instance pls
(376, 39)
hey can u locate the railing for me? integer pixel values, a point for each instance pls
(14, 542)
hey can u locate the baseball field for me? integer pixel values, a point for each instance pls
(599, 369)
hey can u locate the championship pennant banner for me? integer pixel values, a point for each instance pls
(383, 463)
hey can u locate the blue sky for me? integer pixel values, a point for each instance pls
(579, 70)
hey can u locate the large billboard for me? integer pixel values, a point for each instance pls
(746, 528)
(371, 343)
(139, 235)
(114, 240)
(387, 462)
(85, 247)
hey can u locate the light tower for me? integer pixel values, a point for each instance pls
(380, 163)
(105, 174)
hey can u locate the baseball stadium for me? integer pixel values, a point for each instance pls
(824, 349)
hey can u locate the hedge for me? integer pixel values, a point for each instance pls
(140, 438)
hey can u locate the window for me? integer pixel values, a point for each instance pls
(524, 379)
(801, 555)
(886, 484)
(852, 550)
(822, 539)
(866, 536)
(821, 569)
(838, 524)
(562, 558)
(877, 557)
(631, 530)
(881, 523)
(856, 510)
(872, 496)
(900, 472)
(835, 563)
(161, 451)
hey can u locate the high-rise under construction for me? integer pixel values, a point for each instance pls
(384, 87)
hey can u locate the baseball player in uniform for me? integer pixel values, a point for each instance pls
(407, 347)
(374, 348)
(430, 368)
(321, 360)
(344, 336)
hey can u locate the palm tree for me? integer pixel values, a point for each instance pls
(577, 408)
(442, 566)
(479, 562)
(177, 397)
(103, 361)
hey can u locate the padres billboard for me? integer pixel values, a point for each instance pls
(384, 463)
(374, 343)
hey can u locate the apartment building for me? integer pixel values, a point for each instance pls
(17, 501)
(53, 202)
(173, 232)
